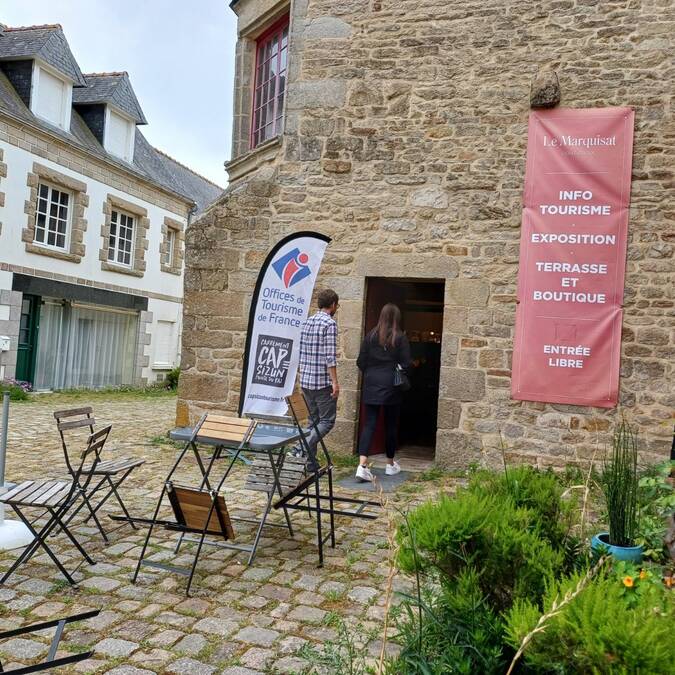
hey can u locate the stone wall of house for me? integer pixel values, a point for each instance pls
(405, 140)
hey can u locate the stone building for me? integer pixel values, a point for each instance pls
(92, 223)
(399, 128)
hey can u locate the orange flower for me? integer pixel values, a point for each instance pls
(643, 574)
(628, 582)
(669, 582)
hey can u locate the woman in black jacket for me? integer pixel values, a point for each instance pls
(383, 349)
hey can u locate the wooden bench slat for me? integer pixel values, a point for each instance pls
(76, 424)
(220, 436)
(17, 489)
(27, 491)
(237, 421)
(54, 495)
(87, 410)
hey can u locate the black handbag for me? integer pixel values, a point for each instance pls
(401, 380)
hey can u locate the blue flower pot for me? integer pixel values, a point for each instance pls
(600, 542)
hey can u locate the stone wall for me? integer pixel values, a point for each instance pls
(405, 140)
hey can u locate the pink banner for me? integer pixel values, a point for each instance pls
(573, 256)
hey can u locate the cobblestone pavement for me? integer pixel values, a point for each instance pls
(240, 620)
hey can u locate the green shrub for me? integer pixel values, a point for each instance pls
(487, 533)
(171, 379)
(16, 392)
(656, 501)
(539, 491)
(598, 631)
(459, 633)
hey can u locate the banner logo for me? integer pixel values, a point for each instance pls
(272, 360)
(292, 267)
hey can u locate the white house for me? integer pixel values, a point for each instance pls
(92, 223)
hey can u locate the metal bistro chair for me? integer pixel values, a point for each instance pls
(109, 474)
(299, 498)
(56, 498)
(198, 511)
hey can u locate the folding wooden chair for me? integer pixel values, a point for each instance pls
(51, 661)
(56, 498)
(110, 473)
(302, 420)
(295, 498)
(202, 510)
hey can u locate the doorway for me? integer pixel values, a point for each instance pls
(29, 325)
(421, 304)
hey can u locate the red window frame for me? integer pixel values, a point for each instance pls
(271, 66)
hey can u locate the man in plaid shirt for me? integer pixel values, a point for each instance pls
(318, 369)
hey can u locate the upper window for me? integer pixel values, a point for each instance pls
(171, 237)
(52, 217)
(51, 97)
(119, 135)
(270, 83)
(121, 241)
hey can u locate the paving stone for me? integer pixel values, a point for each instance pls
(103, 620)
(274, 592)
(191, 644)
(133, 630)
(290, 664)
(194, 605)
(257, 636)
(307, 614)
(214, 626)
(130, 670)
(188, 666)
(291, 644)
(258, 573)
(20, 648)
(363, 594)
(100, 584)
(36, 586)
(256, 657)
(115, 647)
(155, 658)
(307, 582)
(239, 670)
(166, 638)
(118, 549)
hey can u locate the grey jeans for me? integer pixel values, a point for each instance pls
(322, 410)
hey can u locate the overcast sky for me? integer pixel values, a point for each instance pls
(179, 56)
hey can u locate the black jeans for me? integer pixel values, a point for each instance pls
(391, 413)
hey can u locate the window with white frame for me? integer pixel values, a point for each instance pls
(171, 237)
(121, 241)
(52, 217)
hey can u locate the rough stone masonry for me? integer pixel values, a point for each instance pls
(404, 140)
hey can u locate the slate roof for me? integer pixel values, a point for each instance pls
(148, 163)
(43, 42)
(114, 88)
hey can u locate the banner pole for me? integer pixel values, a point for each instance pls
(13, 534)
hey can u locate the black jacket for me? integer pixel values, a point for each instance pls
(378, 365)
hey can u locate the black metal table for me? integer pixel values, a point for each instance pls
(268, 440)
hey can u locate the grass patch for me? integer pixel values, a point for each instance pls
(107, 394)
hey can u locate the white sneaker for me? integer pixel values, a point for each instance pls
(363, 473)
(393, 469)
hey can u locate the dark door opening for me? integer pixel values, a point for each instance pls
(29, 325)
(421, 304)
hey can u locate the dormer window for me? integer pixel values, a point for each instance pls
(118, 136)
(51, 97)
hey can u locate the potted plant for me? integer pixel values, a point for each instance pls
(620, 483)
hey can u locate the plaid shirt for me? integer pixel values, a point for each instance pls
(318, 349)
